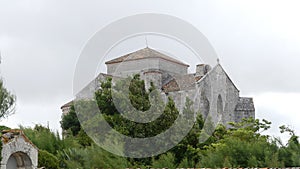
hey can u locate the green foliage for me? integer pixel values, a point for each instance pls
(99, 158)
(165, 161)
(83, 139)
(189, 148)
(185, 163)
(140, 99)
(4, 128)
(104, 98)
(72, 128)
(71, 157)
(90, 157)
(241, 145)
(47, 140)
(71, 122)
(290, 154)
(47, 160)
(7, 101)
(138, 96)
(7, 106)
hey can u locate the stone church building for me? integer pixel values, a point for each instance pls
(210, 88)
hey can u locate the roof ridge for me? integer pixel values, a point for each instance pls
(143, 54)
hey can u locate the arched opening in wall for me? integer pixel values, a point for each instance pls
(19, 160)
(204, 105)
(219, 108)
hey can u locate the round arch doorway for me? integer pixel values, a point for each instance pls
(19, 160)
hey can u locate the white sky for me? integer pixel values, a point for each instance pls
(257, 41)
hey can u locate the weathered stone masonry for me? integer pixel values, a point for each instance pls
(211, 88)
(17, 151)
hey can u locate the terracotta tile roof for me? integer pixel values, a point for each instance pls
(143, 54)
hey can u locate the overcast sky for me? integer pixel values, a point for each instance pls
(257, 41)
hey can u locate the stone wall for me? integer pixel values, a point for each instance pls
(131, 67)
(135, 66)
(171, 67)
(207, 92)
(17, 151)
(213, 89)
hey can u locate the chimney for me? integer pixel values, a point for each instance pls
(202, 69)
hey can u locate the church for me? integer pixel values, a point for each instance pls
(210, 88)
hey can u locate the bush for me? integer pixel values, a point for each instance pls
(47, 160)
(4, 128)
(47, 140)
(165, 160)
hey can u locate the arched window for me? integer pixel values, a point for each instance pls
(220, 106)
(204, 106)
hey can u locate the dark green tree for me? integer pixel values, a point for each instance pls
(290, 153)
(140, 100)
(243, 145)
(188, 149)
(104, 98)
(139, 97)
(47, 160)
(71, 122)
(7, 101)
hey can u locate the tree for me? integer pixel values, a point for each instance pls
(73, 129)
(290, 154)
(47, 160)
(44, 138)
(71, 122)
(104, 98)
(164, 161)
(139, 97)
(243, 146)
(187, 150)
(7, 101)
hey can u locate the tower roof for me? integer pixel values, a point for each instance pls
(69, 104)
(245, 104)
(144, 54)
